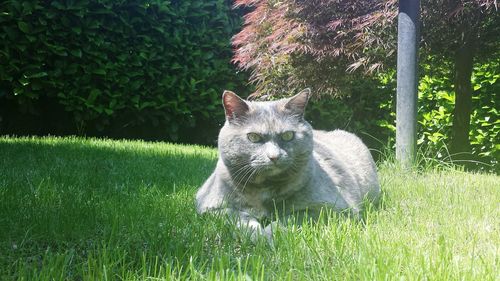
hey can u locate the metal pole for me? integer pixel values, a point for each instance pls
(407, 82)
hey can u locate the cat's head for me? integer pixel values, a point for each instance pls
(265, 139)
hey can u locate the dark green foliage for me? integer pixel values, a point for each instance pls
(115, 65)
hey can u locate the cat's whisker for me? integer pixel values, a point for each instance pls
(241, 174)
(238, 178)
(236, 173)
(249, 177)
(239, 169)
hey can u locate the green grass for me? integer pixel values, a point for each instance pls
(87, 209)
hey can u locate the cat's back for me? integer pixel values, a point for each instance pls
(343, 143)
(342, 153)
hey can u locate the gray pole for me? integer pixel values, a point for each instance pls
(407, 81)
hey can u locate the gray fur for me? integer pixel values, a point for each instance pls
(316, 169)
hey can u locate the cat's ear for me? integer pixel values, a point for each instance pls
(234, 106)
(297, 104)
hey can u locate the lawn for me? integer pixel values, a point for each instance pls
(89, 209)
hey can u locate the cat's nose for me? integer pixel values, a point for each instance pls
(273, 152)
(274, 158)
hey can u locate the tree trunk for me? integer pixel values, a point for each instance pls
(460, 143)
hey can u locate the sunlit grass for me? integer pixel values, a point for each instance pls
(89, 209)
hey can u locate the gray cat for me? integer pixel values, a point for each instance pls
(271, 160)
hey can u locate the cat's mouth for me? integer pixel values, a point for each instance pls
(269, 169)
(270, 173)
(272, 169)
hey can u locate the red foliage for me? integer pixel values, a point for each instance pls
(359, 34)
(321, 28)
(266, 30)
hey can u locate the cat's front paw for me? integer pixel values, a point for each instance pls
(270, 231)
(258, 233)
(261, 234)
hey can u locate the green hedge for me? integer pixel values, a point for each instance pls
(119, 63)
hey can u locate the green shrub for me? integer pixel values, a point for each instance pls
(436, 102)
(119, 64)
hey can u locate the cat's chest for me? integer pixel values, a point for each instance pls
(260, 201)
(258, 197)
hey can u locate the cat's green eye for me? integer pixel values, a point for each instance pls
(254, 137)
(287, 136)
